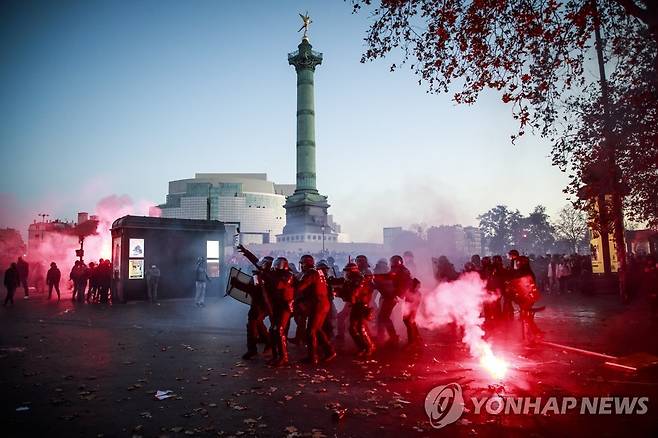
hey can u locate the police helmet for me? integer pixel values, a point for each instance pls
(281, 263)
(351, 267)
(396, 260)
(265, 263)
(307, 261)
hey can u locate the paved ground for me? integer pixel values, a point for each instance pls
(92, 370)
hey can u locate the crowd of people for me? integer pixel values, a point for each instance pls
(309, 296)
(280, 293)
(91, 283)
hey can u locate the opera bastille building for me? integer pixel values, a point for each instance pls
(245, 198)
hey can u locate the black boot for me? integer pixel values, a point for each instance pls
(282, 360)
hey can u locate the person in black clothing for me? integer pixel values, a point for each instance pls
(401, 282)
(12, 280)
(260, 307)
(92, 292)
(282, 295)
(104, 269)
(522, 289)
(313, 291)
(412, 299)
(357, 290)
(52, 280)
(23, 269)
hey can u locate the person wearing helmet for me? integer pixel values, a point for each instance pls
(342, 317)
(359, 290)
(259, 308)
(522, 289)
(412, 300)
(328, 326)
(400, 278)
(314, 292)
(510, 274)
(409, 262)
(282, 296)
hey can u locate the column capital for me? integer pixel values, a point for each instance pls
(305, 57)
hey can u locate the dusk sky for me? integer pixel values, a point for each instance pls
(119, 97)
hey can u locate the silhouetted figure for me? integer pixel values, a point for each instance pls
(52, 280)
(104, 278)
(92, 292)
(444, 270)
(12, 281)
(152, 280)
(79, 276)
(23, 269)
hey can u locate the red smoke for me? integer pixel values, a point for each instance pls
(60, 247)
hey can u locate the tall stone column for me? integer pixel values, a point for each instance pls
(305, 60)
(306, 209)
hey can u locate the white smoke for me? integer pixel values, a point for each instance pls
(460, 302)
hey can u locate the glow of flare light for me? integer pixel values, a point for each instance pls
(495, 366)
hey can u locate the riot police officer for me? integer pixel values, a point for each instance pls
(314, 293)
(282, 295)
(358, 290)
(260, 306)
(401, 282)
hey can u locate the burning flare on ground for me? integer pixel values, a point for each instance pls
(461, 302)
(496, 366)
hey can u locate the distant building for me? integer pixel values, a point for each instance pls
(39, 232)
(473, 241)
(390, 236)
(247, 198)
(455, 241)
(11, 246)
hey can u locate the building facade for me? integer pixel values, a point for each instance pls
(40, 232)
(245, 198)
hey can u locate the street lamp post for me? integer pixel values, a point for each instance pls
(322, 239)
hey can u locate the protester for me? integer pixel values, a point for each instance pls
(23, 268)
(52, 280)
(202, 279)
(152, 280)
(12, 281)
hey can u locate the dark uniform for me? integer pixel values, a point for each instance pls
(522, 289)
(281, 298)
(314, 293)
(328, 326)
(358, 290)
(412, 299)
(260, 306)
(401, 282)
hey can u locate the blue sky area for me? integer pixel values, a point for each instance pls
(119, 97)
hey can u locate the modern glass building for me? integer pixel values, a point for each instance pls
(247, 198)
